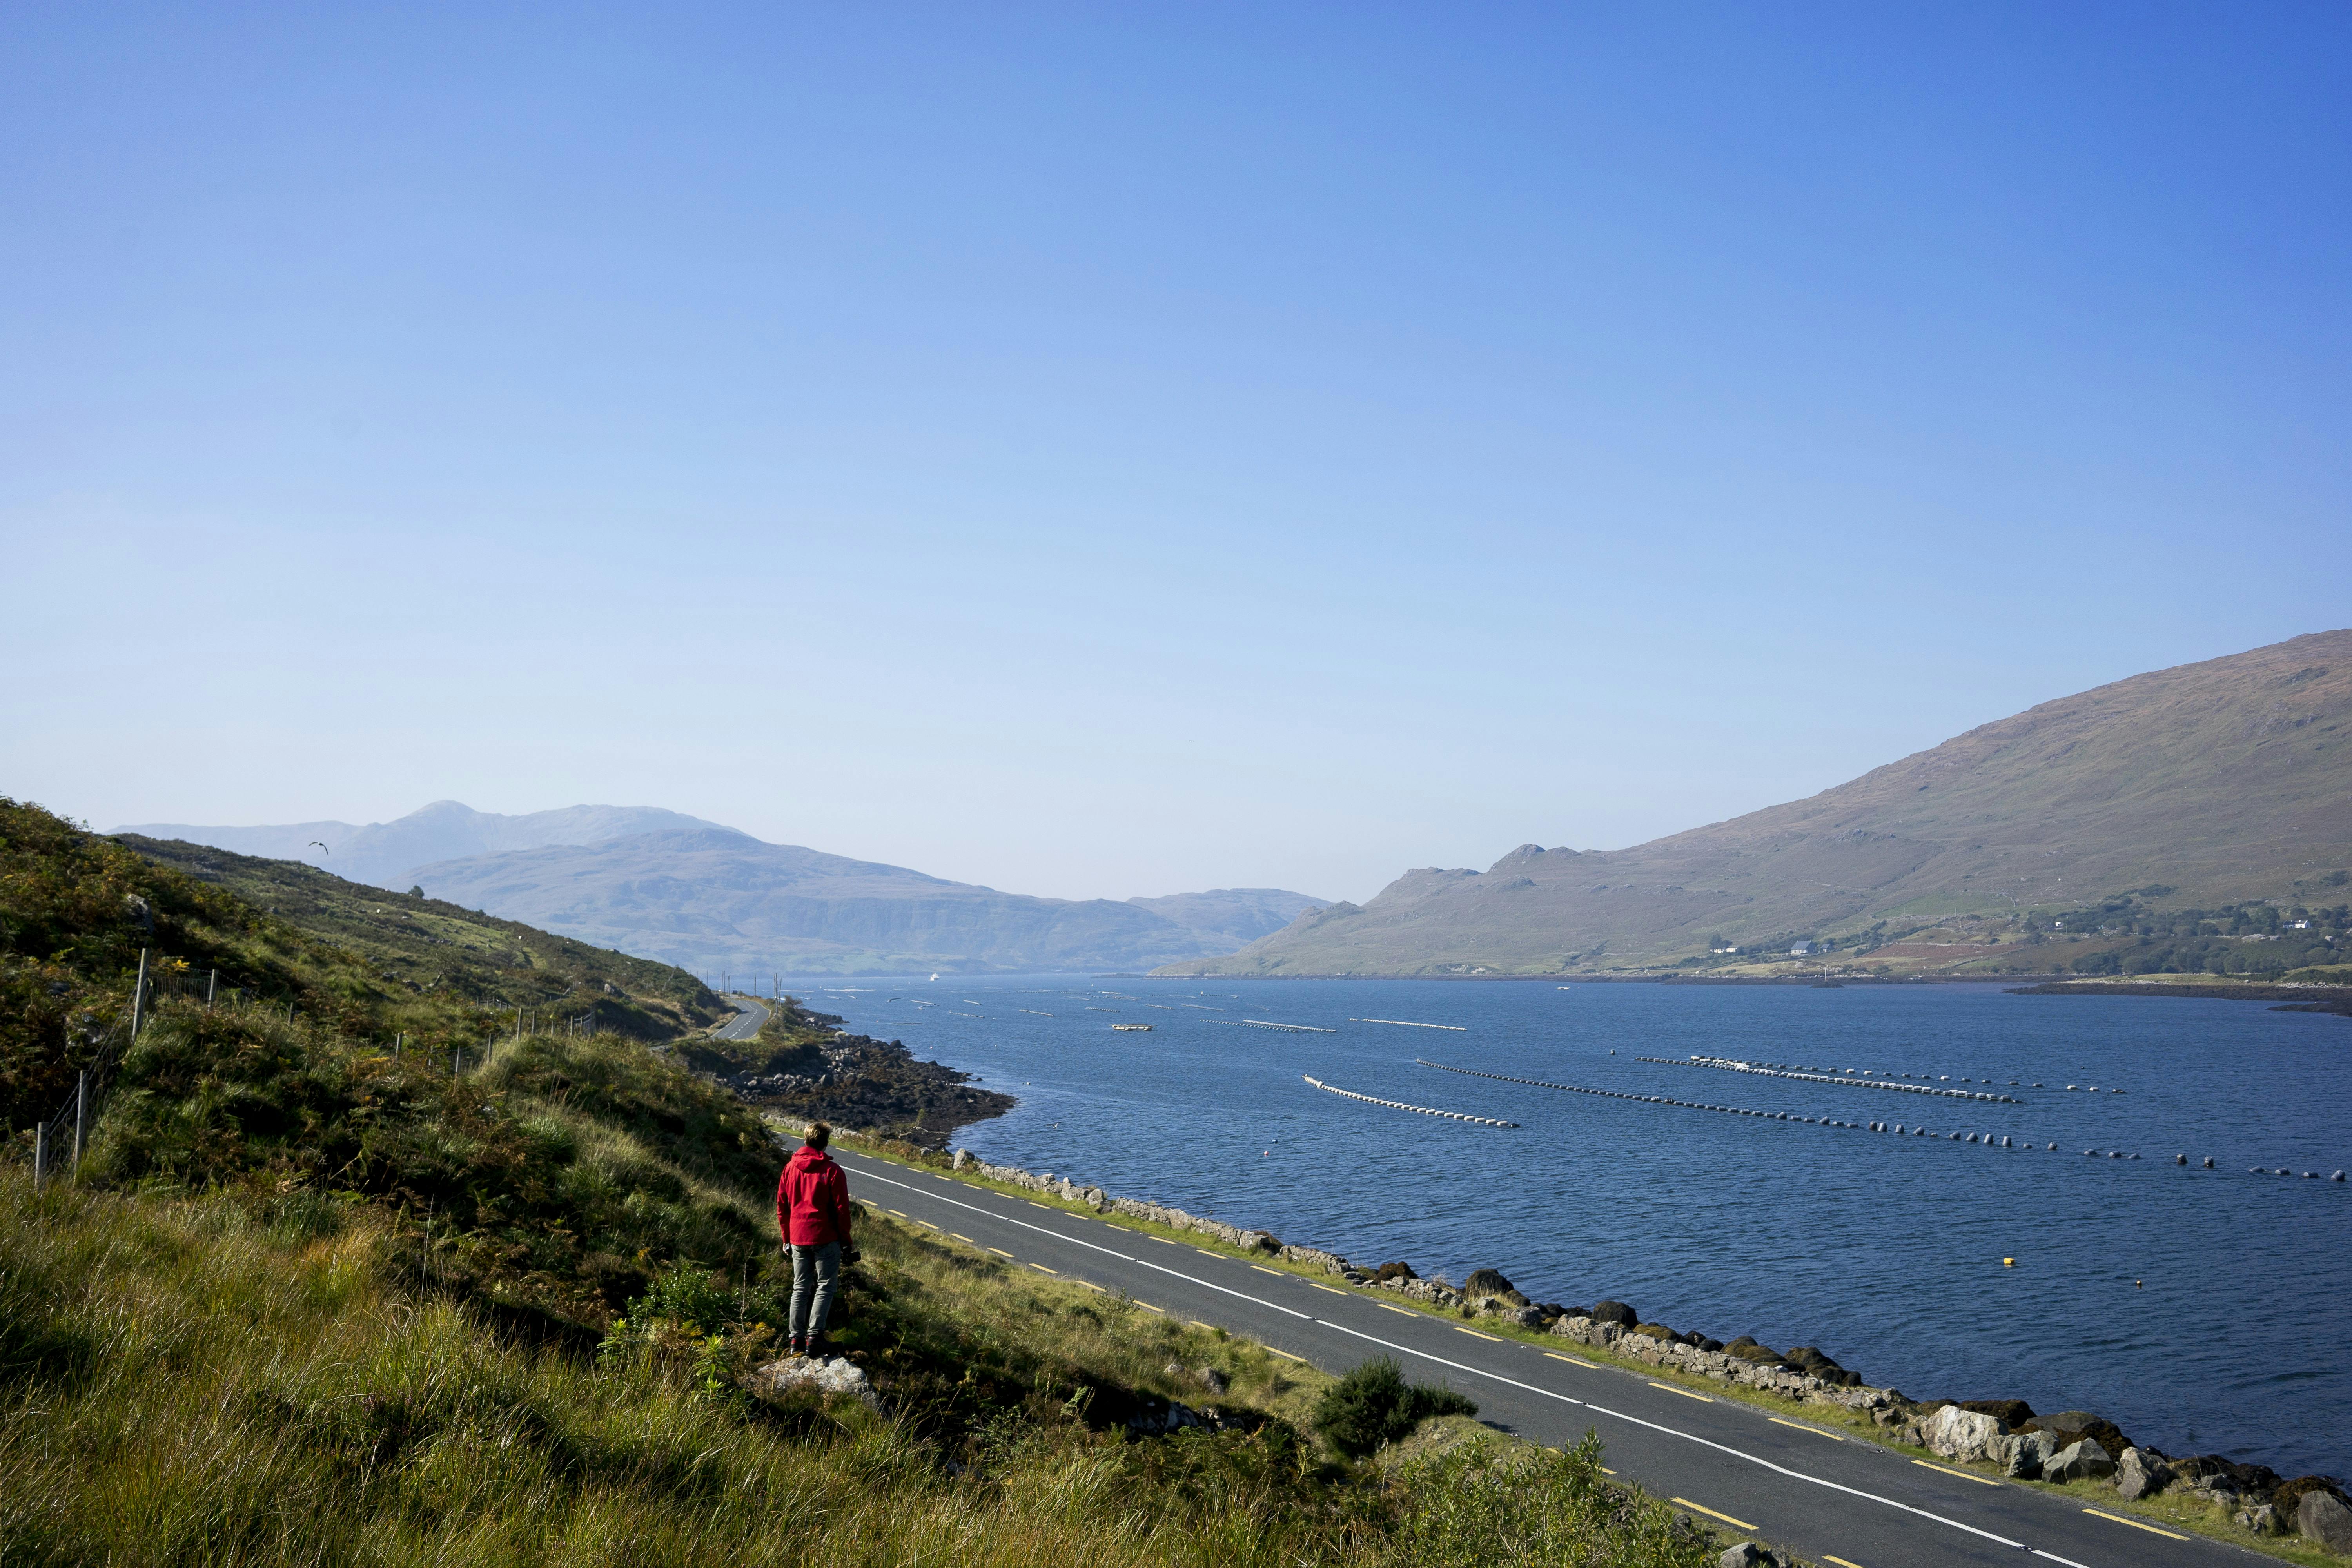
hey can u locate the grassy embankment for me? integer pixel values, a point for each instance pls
(1833, 1421)
(314, 1300)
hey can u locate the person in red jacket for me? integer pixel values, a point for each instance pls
(813, 1214)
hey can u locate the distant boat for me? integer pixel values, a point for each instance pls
(935, 977)
(1145, 1027)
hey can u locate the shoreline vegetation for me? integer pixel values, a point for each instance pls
(2246, 1504)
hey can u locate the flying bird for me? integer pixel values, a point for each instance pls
(321, 848)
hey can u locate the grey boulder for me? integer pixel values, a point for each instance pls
(1962, 1434)
(2082, 1461)
(2023, 1453)
(2322, 1517)
(2141, 1474)
(1747, 1554)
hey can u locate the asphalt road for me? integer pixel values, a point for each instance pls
(745, 1024)
(1838, 1500)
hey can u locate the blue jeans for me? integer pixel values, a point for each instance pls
(817, 1271)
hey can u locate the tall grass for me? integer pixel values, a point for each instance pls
(183, 1382)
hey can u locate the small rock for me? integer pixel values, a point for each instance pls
(837, 1374)
(1616, 1312)
(2082, 1461)
(1487, 1282)
(2323, 1518)
(2139, 1474)
(1747, 1554)
(2263, 1520)
(1214, 1381)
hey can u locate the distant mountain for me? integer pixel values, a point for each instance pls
(694, 893)
(714, 899)
(2193, 787)
(1228, 918)
(386, 852)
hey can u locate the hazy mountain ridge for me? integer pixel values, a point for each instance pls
(711, 899)
(384, 853)
(720, 900)
(2213, 782)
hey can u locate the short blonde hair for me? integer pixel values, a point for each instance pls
(819, 1135)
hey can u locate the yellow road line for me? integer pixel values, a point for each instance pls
(2119, 1518)
(900, 1213)
(1477, 1335)
(1033, 1204)
(1288, 1356)
(1150, 1307)
(1710, 1513)
(1087, 1283)
(1334, 1292)
(1802, 1427)
(1161, 1239)
(1962, 1474)
(1278, 1273)
(1687, 1394)
(1589, 1366)
(962, 1237)
(1206, 1253)
(1407, 1312)
(1000, 1252)
(1043, 1269)
(1841, 1561)
(1197, 1324)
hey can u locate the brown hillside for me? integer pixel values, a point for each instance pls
(2203, 785)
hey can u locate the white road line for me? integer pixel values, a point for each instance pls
(1107, 1252)
(1498, 1377)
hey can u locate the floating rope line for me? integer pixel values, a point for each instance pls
(1409, 1024)
(1662, 1100)
(1400, 1105)
(1727, 1063)
(1265, 1024)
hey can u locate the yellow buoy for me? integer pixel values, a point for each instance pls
(2009, 1263)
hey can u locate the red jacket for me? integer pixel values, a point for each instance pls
(812, 1199)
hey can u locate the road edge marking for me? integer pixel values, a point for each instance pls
(1574, 1361)
(2136, 1524)
(1802, 1427)
(1699, 1507)
(1477, 1335)
(1687, 1394)
(1963, 1475)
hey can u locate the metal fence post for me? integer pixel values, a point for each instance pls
(139, 996)
(212, 987)
(81, 1116)
(41, 1155)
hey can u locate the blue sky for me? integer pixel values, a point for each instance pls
(1113, 450)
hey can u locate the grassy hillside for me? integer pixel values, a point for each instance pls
(311, 1299)
(428, 946)
(2205, 787)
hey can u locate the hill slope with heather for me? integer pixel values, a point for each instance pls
(2218, 783)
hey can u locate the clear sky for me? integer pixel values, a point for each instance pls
(1122, 450)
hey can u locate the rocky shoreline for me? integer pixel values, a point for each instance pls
(2063, 1448)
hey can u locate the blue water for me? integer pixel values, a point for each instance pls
(2203, 1311)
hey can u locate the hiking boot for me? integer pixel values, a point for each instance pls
(796, 1345)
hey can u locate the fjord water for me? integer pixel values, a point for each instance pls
(2203, 1311)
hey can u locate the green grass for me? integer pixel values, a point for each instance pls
(187, 1380)
(312, 1300)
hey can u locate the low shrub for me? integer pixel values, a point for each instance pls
(1373, 1404)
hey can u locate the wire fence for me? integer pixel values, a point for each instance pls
(59, 1140)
